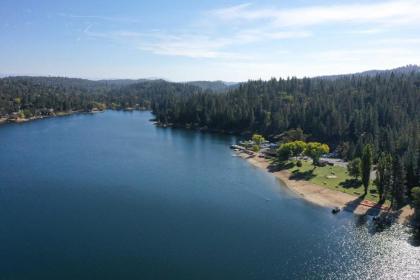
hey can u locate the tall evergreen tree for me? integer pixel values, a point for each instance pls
(384, 175)
(398, 183)
(366, 166)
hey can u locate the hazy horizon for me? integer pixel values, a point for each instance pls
(207, 40)
(4, 75)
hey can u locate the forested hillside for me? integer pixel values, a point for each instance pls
(146, 93)
(37, 96)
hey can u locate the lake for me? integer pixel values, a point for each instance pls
(111, 196)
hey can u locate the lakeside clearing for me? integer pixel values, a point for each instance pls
(315, 189)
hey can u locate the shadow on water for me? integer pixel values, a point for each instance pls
(364, 220)
(361, 220)
(414, 239)
(380, 220)
(351, 207)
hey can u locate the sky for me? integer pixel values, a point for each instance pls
(207, 39)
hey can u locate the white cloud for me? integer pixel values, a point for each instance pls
(191, 45)
(207, 46)
(254, 24)
(397, 12)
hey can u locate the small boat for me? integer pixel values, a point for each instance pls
(335, 210)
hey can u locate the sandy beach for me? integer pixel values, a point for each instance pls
(326, 197)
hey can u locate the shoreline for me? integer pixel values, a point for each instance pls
(326, 197)
(4, 120)
(25, 120)
(204, 129)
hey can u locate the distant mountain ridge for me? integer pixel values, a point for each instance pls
(214, 86)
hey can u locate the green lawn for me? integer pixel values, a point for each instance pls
(333, 177)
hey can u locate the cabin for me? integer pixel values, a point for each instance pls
(237, 147)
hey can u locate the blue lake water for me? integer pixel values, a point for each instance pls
(110, 196)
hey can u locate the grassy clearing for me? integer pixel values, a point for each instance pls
(332, 177)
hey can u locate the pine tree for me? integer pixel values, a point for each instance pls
(384, 175)
(366, 166)
(398, 183)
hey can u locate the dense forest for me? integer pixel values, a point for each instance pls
(33, 96)
(346, 112)
(38, 96)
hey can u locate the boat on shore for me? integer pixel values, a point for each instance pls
(335, 210)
